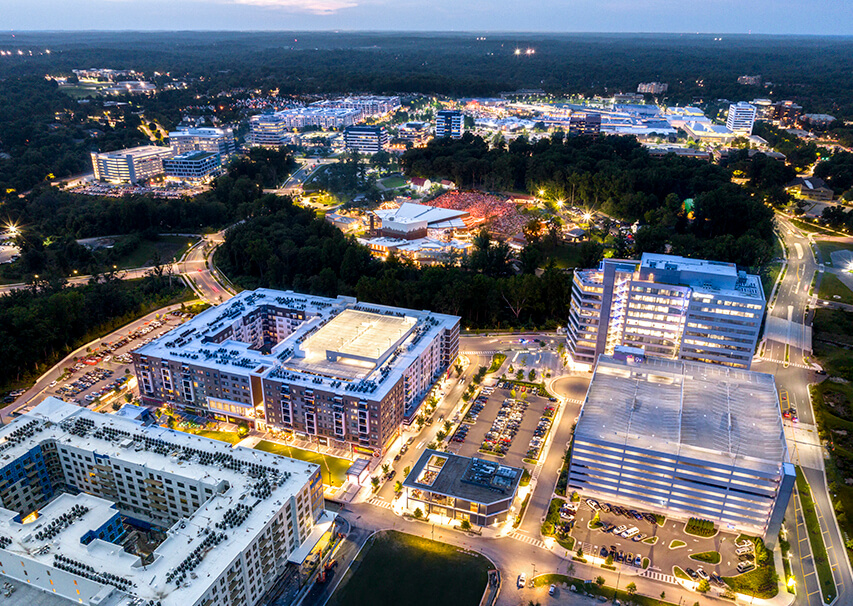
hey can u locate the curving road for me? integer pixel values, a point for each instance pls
(786, 354)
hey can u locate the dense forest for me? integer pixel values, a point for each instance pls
(617, 176)
(810, 69)
(291, 248)
(40, 325)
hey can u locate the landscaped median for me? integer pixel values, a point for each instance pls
(555, 527)
(821, 559)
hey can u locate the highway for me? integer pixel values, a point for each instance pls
(786, 354)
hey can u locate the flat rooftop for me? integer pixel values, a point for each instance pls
(338, 344)
(701, 411)
(356, 336)
(239, 476)
(470, 479)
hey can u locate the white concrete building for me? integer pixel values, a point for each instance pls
(684, 440)
(672, 307)
(130, 165)
(214, 140)
(326, 370)
(741, 118)
(271, 129)
(234, 519)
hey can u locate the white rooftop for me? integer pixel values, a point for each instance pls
(309, 355)
(701, 411)
(240, 475)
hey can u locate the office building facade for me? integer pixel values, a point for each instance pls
(449, 123)
(132, 165)
(365, 139)
(584, 124)
(654, 88)
(214, 140)
(331, 371)
(668, 306)
(232, 520)
(194, 166)
(741, 118)
(684, 439)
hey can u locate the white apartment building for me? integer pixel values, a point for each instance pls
(234, 519)
(271, 129)
(741, 118)
(214, 140)
(369, 105)
(130, 165)
(683, 440)
(669, 306)
(333, 371)
(365, 139)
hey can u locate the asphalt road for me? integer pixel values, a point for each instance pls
(786, 354)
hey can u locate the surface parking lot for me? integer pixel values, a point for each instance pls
(101, 373)
(661, 557)
(524, 419)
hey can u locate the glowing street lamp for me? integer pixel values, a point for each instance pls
(587, 217)
(13, 229)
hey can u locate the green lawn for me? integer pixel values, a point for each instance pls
(169, 248)
(827, 248)
(497, 360)
(334, 469)
(675, 544)
(393, 182)
(832, 287)
(760, 582)
(222, 436)
(396, 568)
(709, 557)
(824, 571)
(545, 580)
(565, 256)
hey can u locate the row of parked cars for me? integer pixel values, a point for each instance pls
(531, 389)
(83, 382)
(745, 551)
(505, 426)
(479, 404)
(628, 513)
(700, 573)
(620, 556)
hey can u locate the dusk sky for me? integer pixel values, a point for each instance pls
(714, 16)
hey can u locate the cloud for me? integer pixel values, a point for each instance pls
(317, 7)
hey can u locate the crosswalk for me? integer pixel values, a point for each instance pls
(659, 576)
(479, 353)
(379, 502)
(526, 539)
(794, 364)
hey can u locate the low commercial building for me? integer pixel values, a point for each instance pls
(683, 440)
(193, 166)
(366, 139)
(810, 188)
(654, 88)
(707, 132)
(131, 165)
(461, 488)
(331, 371)
(669, 306)
(422, 251)
(217, 525)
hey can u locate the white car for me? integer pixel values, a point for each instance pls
(522, 578)
(593, 504)
(630, 532)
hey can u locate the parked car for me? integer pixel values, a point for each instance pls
(522, 579)
(638, 561)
